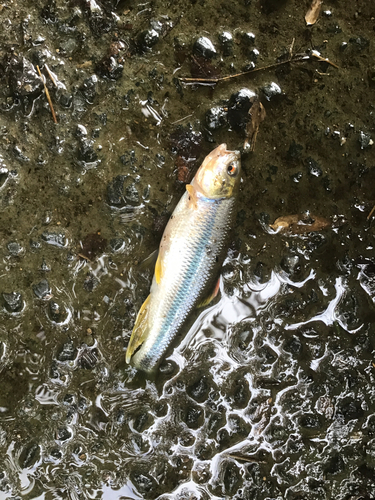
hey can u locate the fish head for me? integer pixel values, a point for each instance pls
(219, 175)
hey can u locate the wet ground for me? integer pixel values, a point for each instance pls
(270, 395)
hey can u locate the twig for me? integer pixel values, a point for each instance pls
(84, 257)
(139, 69)
(323, 59)
(291, 48)
(50, 75)
(246, 459)
(48, 96)
(229, 77)
(370, 214)
(296, 58)
(182, 119)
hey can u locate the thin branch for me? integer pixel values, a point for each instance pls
(323, 59)
(48, 96)
(84, 257)
(139, 69)
(291, 48)
(229, 77)
(295, 58)
(370, 214)
(182, 119)
(246, 459)
(50, 75)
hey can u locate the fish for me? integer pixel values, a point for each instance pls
(191, 252)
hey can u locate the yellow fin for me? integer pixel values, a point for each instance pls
(139, 332)
(192, 196)
(159, 271)
(212, 295)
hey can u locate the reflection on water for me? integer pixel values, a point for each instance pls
(251, 394)
(331, 315)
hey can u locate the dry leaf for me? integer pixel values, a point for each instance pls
(313, 13)
(257, 115)
(200, 67)
(300, 224)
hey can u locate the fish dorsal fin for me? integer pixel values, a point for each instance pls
(192, 196)
(140, 329)
(212, 295)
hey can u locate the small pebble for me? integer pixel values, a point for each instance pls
(204, 47)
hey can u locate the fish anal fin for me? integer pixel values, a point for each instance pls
(212, 295)
(192, 196)
(140, 330)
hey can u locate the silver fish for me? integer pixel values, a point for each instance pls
(191, 252)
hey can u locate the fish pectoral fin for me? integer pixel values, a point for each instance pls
(140, 330)
(159, 268)
(149, 261)
(192, 196)
(212, 295)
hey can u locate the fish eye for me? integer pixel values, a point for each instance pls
(231, 170)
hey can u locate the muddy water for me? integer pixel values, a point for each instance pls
(270, 393)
